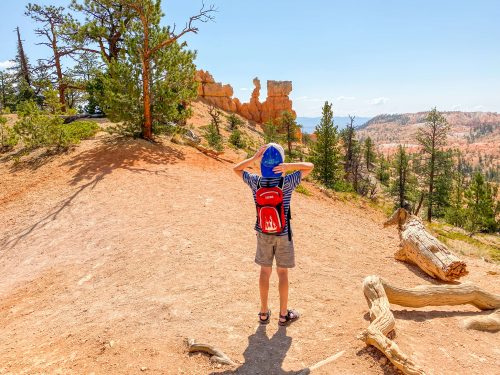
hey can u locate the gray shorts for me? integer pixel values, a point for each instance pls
(270, 246)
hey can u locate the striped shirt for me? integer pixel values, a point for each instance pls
(291, 181)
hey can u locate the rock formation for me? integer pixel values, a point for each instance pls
(222, 96)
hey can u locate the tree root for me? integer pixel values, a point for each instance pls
(379, 294)
(216, 355)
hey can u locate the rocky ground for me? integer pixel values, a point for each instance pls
(114, 253)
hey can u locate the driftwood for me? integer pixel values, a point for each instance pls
(379, 294)
(421, 248)
(216, 355)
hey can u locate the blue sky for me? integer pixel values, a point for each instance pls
(368, 57)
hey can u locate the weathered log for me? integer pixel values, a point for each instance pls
(69, 119)
(382, 322)
(423, 249)
(379, 293)
(216, 355)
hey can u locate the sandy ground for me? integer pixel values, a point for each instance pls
(115, 252)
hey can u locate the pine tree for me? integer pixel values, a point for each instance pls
(56, 30)
(154, 80)
(271, 134)
(369, 153)
(382, 171)
(325, 151)
(481, 206)
(350, 146)
(290, 128)
(443, 183)
(455, 213)
(403, 185)
(432, 137)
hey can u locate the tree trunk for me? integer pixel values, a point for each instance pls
(421, 248)
(379, 294)
(147, 130)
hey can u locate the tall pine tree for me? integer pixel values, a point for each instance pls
(325, 151)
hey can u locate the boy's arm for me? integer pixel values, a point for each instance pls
(238, 168)
(304, 167)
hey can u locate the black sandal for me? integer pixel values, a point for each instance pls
(267, 315)
(290, 317)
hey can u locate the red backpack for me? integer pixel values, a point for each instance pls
(270, 208)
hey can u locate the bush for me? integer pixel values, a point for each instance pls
(234, 121)
(8, 137)
(39, 129)
(214, 139)
(236, 139)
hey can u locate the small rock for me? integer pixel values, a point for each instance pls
(219, 365)
(382, 361)
(144, 368)
(111, 343)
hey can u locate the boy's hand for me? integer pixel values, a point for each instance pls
(259, 153)
(282, 168)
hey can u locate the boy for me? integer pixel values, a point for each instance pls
(272, 226)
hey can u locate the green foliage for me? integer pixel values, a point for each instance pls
(403, 186)
(443, 183)
(51, 100)
(369, 153)
(455, 213)
(325, 153)
(172, 84)
(290, 128)
(481, 207)
(234, 121)
(8, 137)
(36, 128)
(382, 171)
(213, 138)
(271, 134)
(236, 139)
(432, 137)
(303, 190)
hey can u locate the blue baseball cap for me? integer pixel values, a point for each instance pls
(273, 156)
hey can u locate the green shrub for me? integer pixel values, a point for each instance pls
(236, 139)
(213, 138)
(8, 137)
(234, 121)
(303, 190)
(36, 128)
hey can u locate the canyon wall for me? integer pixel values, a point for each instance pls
(221, 96)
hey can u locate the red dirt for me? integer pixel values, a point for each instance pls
(112, 254)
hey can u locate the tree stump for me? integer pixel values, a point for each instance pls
(380, 293)
(423, 249)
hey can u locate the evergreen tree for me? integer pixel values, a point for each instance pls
(382, 171)
(481, 206)
(290, 128)
(325, 151)
(271, 134)
(455, 213)
(56, 30)
(403, 185)
(432, 137)
(369, 153)
(350, 146)
(153, 82)
(443, 182)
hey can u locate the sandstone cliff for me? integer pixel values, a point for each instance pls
(221, 96)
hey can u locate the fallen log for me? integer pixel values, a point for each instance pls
(379, 294)
(216, 355)
(423, 249)
(69, 119)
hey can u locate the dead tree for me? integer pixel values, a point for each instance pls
(379, 294)
(215, 114)
(421, 248)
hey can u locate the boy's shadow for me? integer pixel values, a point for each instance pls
(265, 355)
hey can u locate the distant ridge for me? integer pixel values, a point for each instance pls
(309, 123)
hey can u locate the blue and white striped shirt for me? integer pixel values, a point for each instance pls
(291, 181)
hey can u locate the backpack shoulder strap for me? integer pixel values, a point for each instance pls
(258, 182)
(281, 183)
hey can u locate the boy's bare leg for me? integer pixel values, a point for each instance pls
(265, 274)
(283, 289)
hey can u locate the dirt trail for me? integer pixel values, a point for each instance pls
(114, 253)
